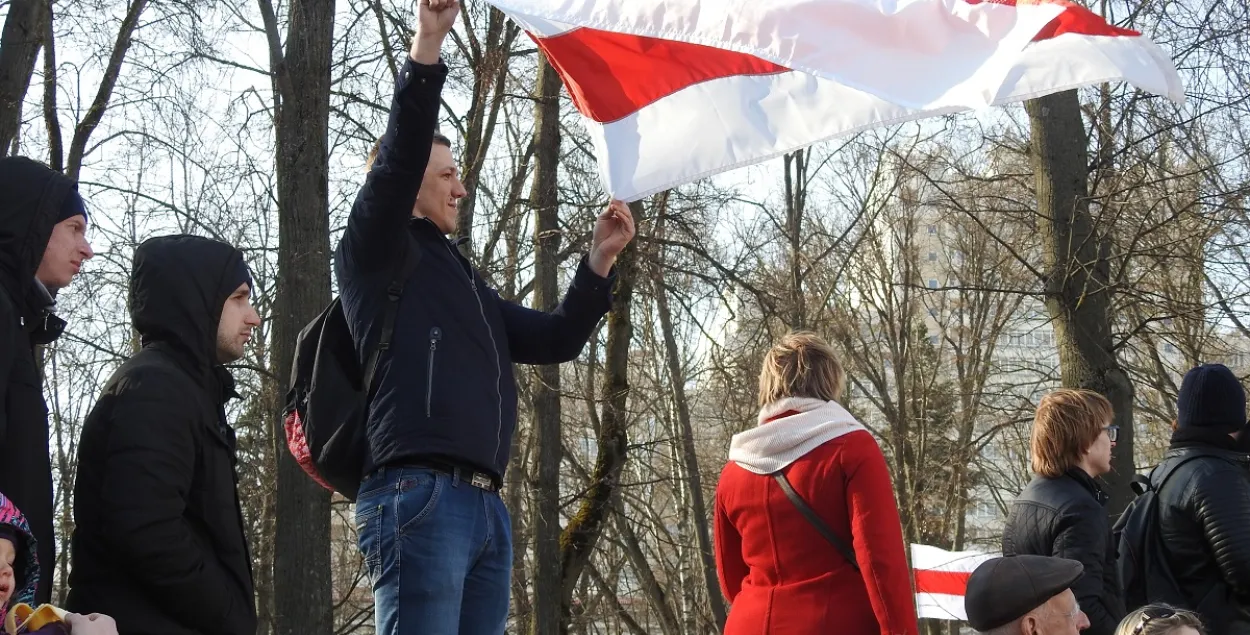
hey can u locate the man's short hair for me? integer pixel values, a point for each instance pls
(439, 139)
(1067, 422)
(801, 364)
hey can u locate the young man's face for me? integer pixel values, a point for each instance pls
(8, 555)
(238, 318)
(440, 189)
(67, 250)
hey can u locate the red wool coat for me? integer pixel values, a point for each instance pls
(782, 577)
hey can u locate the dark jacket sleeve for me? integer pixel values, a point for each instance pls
(1082, 535)
(375, 236)
(1222, 506)
(535, 337)
(148, 471)
(8, 354)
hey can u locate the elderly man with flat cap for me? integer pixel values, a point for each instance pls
(1025, 595)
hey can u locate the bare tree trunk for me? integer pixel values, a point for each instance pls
(796, 201)
(19, 47)
(56, 153)
(1078, 295)
(651, 587)
(490, 72)
(91, 119)
(303, 601)
(578, 540)
(690, 459)
(546, 500)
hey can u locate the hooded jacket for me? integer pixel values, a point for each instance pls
(31, 196)
(159, 542)
(26, 565)
(780, 574)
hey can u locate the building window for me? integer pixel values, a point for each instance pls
(932, 229)
(932, 283)
(933, 312)
(932, 256)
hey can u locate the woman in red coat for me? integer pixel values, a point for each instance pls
(781, 575)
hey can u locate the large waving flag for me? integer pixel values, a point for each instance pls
(677, 90)
(941, 579)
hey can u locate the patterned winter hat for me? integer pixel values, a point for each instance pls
(26, 565)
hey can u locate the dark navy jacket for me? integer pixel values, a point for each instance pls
(445, 388)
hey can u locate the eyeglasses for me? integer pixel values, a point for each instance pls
(1160, 614)
(1113, 432)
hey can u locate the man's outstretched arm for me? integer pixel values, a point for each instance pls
(375, 235)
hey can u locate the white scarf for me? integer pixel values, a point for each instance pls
(773, 445)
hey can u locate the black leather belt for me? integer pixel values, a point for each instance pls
(480, 480)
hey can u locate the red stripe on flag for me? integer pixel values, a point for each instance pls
(1074, 19)
(947, 582)
(612, 75)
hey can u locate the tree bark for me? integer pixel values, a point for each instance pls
(1077, 257)
(546, 501)
(302, 575)
(690, 458)
(577, 543)
(19, 47)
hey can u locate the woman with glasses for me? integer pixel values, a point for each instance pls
(1062, 512)
(1161, 619)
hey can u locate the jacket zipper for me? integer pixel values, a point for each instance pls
(436, 334)
(493, 347)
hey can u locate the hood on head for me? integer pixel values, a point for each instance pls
(26, 565)
(178, 287)
(31, 198)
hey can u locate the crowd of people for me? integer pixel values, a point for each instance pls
(807, 533)
(808, 537)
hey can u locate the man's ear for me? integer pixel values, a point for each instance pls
(1028, 625)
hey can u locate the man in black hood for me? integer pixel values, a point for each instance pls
(43, 244)
(158, 540)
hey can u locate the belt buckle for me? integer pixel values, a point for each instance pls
(482, 481)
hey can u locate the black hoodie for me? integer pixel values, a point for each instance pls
(158, 541)
(31, 195)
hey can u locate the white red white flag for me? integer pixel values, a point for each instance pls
(941, 579)
(677, 90)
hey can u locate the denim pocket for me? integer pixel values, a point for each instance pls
(369, 536)
(418, 495)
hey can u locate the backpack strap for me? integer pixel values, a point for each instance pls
(1169, 469)
(815, 520)
(390, 313)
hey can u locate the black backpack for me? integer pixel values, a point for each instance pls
(1142, 563)
(327, 403)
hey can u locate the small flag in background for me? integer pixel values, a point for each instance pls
(672, 91)
(941, 579)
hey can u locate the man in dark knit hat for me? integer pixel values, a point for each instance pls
(1025, 595)
(158, 532)
(1204, 507)
(43, 244)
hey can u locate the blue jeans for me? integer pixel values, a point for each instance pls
(438, 551)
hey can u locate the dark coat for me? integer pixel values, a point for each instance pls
(1204, 516)
(445, 388)
(1066, 517)
(30, 199)
(159, 542)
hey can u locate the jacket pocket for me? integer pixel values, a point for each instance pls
(436, 336)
